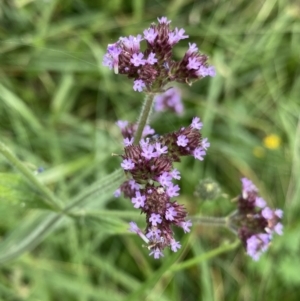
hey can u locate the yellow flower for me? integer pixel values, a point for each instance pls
(272, 141)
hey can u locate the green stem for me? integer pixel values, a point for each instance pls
(211, 221)
(50, 199)
(200, 258)
(144, 117)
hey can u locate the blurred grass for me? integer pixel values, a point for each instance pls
(58, 108)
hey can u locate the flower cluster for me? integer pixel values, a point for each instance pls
(170, 100)
(154, 67)
(150, 187)
(254, 222)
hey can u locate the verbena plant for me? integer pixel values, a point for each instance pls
(147, 175)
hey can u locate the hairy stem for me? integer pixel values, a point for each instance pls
(211, 221)
(144, 117)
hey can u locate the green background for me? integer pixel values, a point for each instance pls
(58, 108)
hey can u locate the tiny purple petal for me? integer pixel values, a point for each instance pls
(148, 152)
(150, 35)
(170, 213)
(192, 48)
(196, 123)
(156, 253)
(155, 219)
(117, 193)
(138, 85)
(267, 213)
(139, 200)
(172, 190)
(128, 141)
(182, 140)
(165, 179)
(161, 149)
(176, 35)
(278, 228)
(163, 20)
(133, 227)
(193, 63)
(154, 234)
(279, 213)
(148, 131)
(205, 144)
(248, 186)
(137, 59)
(127, 164)
(260, 202)
(257, 244)
(206, 71)
(175, 245)
(132, 43)
(186, 226)
(122, 124)
(151, 59)
(175, 174)
(199, 153)
(133, 184)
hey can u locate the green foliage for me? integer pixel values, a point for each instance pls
(58, 108)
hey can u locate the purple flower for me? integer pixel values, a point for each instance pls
(127, 164)
(182, 141)
(111, 58)
(193, 63)
(133, 184)
(206, 71)
(169, 100)
(186, 226)
(127, 57)
(163, 20)
(122, 124)
(177, 35)
(137, 59)
(199, 153)
(133, 227)
(165, 179)
(154, 234)
(260, 202)
(279, 213)
(156, 253)
(138, 85)
(205, 144)
(150, 34)
(278, 228)
(175, 174)
(128, 141)
(148, 131)
(172, 190)
(117, 193)
(155, 219)
(175, 245)
(192, 48)
(139, 200)
(267, 213)
(161, 149)
(248, 187)
(148, 151)
(170, 213)
(196, 124)
(132, 43)
(151, 59)
(257, 244)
